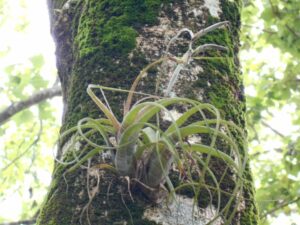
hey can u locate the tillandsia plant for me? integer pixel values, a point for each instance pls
(146, 153)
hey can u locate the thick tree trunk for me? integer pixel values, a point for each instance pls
(108, 42)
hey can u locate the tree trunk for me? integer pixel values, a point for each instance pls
(108, 42)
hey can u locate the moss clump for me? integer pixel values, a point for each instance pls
(223, 90)
(231, 12)
(104, 32)
(220, 37)
(110, 25)
(221, 83)
(52, 212)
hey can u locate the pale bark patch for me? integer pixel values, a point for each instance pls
(172, 115)
(68, 146)
(183, 211)
(213, 7)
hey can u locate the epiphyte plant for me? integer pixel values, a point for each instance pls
(191, 52)
(146, 152)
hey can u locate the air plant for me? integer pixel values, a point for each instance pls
(146, 153)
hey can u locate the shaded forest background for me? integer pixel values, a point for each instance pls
(270, 55)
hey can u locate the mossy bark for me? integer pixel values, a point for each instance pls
(108, 42)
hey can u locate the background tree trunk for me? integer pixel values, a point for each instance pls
(108, 42)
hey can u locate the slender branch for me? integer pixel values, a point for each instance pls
(21, 222)
(280, 206)
(36, 140)
(272, 129)
(258, 28)
(297, 34)
(274, 10)
(34, 99)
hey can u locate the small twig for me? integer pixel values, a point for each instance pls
(272, 129)
(258, 28)
(280, 206)
(297, 34)
(275, 10)
(32, 100)
(27, 149)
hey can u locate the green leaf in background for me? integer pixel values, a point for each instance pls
(37, 61)
(274, 76)
(24, 117)
(46, 111)
(38, 82)
(25, 148)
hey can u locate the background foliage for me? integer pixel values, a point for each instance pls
(27, 140)
(270, 55)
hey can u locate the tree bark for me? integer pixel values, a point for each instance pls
(108, 42)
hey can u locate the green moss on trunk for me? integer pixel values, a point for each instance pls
(103, 34)
(226, 90)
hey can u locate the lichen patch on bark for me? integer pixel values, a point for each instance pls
(172, 115)
(182, 211)
(213, 7)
